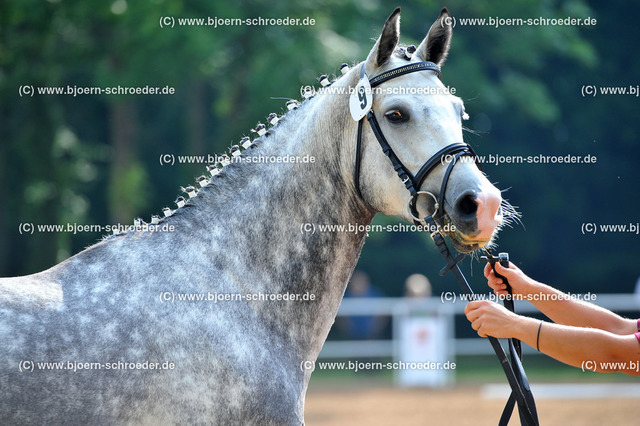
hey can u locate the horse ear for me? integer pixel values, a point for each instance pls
(435, 46)
(386, 44)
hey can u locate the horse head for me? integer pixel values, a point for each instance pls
(419, 117)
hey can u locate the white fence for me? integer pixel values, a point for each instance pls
(398, 308)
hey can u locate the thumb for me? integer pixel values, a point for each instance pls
(502, 270)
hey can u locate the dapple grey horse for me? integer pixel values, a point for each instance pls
(109, 337)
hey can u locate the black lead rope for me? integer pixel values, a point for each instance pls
(515, 353)
(520, 389)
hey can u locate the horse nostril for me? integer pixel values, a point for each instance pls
(467, 206)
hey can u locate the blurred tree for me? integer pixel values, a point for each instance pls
(94, 159)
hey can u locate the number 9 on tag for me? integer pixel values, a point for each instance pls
(361, 99)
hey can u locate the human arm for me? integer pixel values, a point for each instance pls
(586, 348)
(558, 306)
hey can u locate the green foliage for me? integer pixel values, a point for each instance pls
(127, 191)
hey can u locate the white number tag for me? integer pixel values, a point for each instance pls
(361, 99)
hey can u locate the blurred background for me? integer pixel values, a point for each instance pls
(93, 159)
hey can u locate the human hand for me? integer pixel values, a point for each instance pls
(491, 319)
(519, 281)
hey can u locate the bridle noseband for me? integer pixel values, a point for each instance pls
(512, 367)
(412, 182)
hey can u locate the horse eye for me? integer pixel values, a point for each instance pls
(395, 116)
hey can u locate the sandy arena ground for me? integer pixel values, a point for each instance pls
(458, 406)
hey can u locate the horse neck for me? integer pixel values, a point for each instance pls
(264, 219)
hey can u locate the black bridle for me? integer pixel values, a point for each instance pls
(512, 366)
(411, 182)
